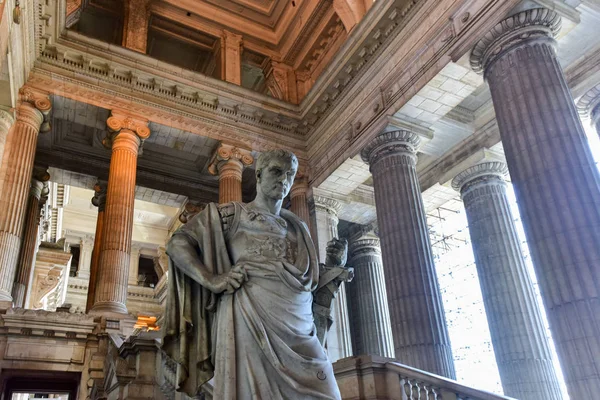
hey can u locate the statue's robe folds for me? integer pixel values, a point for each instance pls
(259, 342)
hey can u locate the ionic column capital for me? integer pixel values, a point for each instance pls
(328, 205)
(229, 161)
(99, 199)
(483, 172)
(34, 109)
(118, 123)
(390, 143)
(523, 27)
(588, 105)
(190, 210)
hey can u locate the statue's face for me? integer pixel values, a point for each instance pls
(276, 179)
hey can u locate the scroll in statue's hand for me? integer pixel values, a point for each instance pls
(337, 253)
(228, 282)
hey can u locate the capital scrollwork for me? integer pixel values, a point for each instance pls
(537, 23)
(483, 171)
(226, 153)
(386, 143)
(588, 105)
(328, 205)
(34, 109)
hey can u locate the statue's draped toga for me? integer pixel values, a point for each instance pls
(259, 342)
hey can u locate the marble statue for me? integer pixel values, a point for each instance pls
(246, 304)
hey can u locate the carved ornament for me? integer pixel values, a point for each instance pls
(118, 123)
(328, 205)
(483, 171)
(365, 246)
(537, 23)
(226, 153)
(588, 104)
(393, 142)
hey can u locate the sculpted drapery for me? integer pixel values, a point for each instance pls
(260, 341)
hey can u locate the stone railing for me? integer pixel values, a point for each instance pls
(373, 378)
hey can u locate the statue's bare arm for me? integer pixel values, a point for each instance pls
(183, 252)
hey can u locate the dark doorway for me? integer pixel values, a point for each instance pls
(42, 384)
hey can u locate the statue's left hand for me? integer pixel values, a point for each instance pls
(337, 253)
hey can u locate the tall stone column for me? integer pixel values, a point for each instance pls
(38, 194)
(231, 57)
(367, 299)
(513, 314)
(416, 310)
(229, 162)
(339, 339)
(99, 200)
(115, 248)
(298, 198)
(556, 183)
(16, 171)
(6, 123)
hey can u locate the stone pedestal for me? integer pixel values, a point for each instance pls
(228, 162)
(38, 194)
(556, 183)
(99, 200)
(298, 199)
(370, 315)
(115, 248)
(513, 314)
(16, 171)
(416, 312)
(339, 339)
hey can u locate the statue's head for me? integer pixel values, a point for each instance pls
(275, 173)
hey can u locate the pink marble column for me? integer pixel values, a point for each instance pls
(416, 311)
(99, 200)
(556, 183)
(115, 248)
(228, 162)
(298, 198)
(16, 171)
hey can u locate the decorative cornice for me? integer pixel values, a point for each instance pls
(485, 170)
(588, 103)
(515, 30)
(385, 143)
(225, 153)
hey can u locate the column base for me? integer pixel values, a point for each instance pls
(5, 305)
(109, 309)
(18, 294)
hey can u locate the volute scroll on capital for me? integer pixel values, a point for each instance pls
(37, 113)
(537, 23)
(118, 123)
(226, 153)
(480, 172)
(588, 106)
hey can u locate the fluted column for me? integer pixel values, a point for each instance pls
(134, 265)
(38, 194)
(298, 198)
(229, 162)
(513, 314)
(367, 297)
(556, 183)
(115, 248)
(416, 312)
(16, 171)
(339, 339)
(99, 200)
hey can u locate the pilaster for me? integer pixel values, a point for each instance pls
(134, 264)
(228, 162)
(231, 57)
(556, 183)
(135, 26)
(418, 325)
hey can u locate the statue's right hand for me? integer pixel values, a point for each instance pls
(228, 282)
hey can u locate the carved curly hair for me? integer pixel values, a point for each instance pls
(266, 157)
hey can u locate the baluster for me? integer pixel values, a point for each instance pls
(407, 389)
(416, 390)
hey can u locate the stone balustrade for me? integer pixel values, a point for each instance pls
(379, 378)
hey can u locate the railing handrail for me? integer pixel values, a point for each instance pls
(442, 382)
